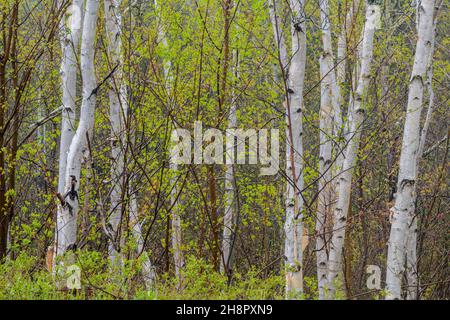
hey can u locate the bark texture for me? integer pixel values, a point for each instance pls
(404, 207)
(70, 40)
(67, 219)
(345, 178)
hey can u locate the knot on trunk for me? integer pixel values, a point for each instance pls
(72, 194)
(407, 182)
(71, 247)
(297, 22)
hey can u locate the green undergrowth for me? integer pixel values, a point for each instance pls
(26, 277)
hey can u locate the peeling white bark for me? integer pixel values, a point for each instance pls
(343, 202)
(411, 261)
(294, 78)
(69, 44)
(294, 169)
(67, 220)
(341, 128)
(411, 243)
(403, 228)
(328, 107)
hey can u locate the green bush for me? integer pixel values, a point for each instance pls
(27, 278)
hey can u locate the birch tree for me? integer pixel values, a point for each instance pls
(67, 218)
(294, 81)
(411, 243)
(328, 106)
(119, 131)
(69, 44)
(332, 129)
(229, 218)
(356, 121)
(403, 225)
(71, 34)
(118, 109)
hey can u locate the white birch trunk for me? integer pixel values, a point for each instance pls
(118, 115)
(67, 220)
(229, 218)
(411, 243)
(69, 63)
(343, 201)
(340, 128)
(177, 248)
(294, 149)
(403, 225)
(118, 109)
(294, 167)
(69, 45)
(333, 79)
(327, 112)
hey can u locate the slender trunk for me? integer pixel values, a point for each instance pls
(358, 113)
(119, 131)
(341, 130)
(411, 240)
(118, 109)
(403, 226)
(327, 110)
(70, 45)
(67, 217)
(293, 82)
(229, 218)
(411, 260)
(294, 152)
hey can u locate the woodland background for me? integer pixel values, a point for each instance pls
(182, 61)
